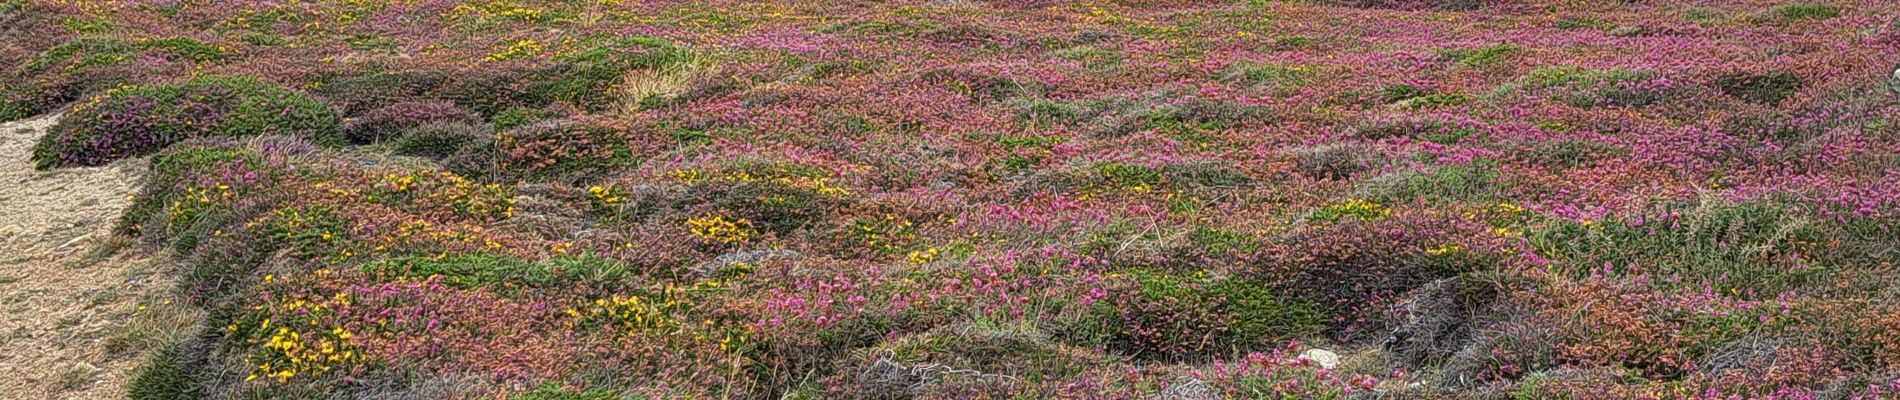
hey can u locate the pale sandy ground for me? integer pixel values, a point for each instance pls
(65, 287)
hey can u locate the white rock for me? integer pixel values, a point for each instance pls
(1325, 359)
(1896, 79)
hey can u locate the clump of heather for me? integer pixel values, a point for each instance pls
(138, 120)
(92, 63)
(394, 120)
(1003, 199)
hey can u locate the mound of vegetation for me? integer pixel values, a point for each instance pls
(1153, 199)
(139, 120)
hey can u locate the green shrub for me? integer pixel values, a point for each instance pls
(61, 74)
(161, 378)
(1483, 56)
(1571, 153)
(1265, 75)
(438, 140)
(1764, 88)
(72, 69)
(186, 48)
(1401, 92)
(1129, 176)
(518, 117)
(14, 110)
(1456, 183)
(508, 275)
(1600, 88)
(583, 78)
(1434, 101)
(1585, 23)
(1172, 316)
(1428, 129)
(140, 120)
(551, 392)
(772, 206)
(172, 176)
(89, 51)
(1815, 11)
(1758, 246)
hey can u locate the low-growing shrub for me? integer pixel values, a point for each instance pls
(89, 64)
(1815, 11)
(389, 121)
(354, 95)
(139, 120)
(1401, 92)
(1588, 88)
(1337, 161)
(1763, 248)
(1168, 316)
(1269, 76)
(162, 379)
(1477, 180)
(507, 275)
(1442, 5)
(439, 140)
(582, 78)
(1764, 88)
(572, 149)
(1352, 268)
(184, 47)
(1571, 153)
(175, 175)
(62, 74)
(780, 207)
(1482, 56)
(1426, 128)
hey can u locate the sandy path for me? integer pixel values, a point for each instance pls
(63, 290)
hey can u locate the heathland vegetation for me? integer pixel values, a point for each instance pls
(952, 199)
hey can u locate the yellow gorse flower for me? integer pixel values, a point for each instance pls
(722, 230)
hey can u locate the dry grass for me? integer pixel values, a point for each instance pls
(640, 84)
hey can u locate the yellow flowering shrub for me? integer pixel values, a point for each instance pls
(720, 229)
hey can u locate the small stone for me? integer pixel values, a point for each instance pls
(1895, 82)
(1325, 359)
